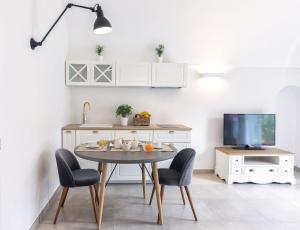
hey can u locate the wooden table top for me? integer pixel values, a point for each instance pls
(263, 152)
(124, 157)
(175, 127)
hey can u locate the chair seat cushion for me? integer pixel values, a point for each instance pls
(86, 177)
(168, 176)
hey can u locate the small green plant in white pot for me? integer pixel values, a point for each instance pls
(124, 111)
(160, 51)
(99, 52)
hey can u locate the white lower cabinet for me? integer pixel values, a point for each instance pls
(125, 172)
(68, 140)
(84, 136)
(131, 171)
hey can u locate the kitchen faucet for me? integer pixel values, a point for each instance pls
(84, 118)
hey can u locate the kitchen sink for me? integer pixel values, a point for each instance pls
(96, 126)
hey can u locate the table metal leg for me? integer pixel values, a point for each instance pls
(102, 193)
(158, 198)
(144, 180)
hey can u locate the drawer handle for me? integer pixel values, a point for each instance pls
(286, 160)
(133, 131)
(68, 131)
(171, 131)
(285, 171)
(95, 131)
(271, 170)
(236, 160)
(236, 170)
(251, 170)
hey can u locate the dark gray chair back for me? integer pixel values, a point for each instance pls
(66, 163)
(183, 163)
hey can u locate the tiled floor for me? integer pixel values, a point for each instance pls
(219, 206)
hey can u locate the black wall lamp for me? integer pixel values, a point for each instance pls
(101, 25)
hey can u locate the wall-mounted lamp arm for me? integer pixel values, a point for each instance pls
(96, 8)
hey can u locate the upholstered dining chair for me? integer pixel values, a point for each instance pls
(71, 176)
(178, 174)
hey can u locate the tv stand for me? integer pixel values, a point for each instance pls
(257, 166)
(248, 147)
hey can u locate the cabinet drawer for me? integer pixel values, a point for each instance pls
(84, 136)
(236, 171)
(141, 135)
(262, 171)
(286, 160)
(286, 171)
(236, 160)
(172, 136)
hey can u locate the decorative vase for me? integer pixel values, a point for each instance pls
(100, 58)
(124, 121)
(160, 59)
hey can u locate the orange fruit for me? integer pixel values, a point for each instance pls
(149, 147)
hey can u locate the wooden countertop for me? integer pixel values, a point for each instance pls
(177, 127)
(264, 152)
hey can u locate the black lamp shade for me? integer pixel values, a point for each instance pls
(102, 25)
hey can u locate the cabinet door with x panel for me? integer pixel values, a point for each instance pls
(103, 74)
(77, 73)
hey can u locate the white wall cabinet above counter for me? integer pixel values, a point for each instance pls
(126, 74)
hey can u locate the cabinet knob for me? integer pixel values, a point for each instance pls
(95, 131)
(236, 160)
(271, 170)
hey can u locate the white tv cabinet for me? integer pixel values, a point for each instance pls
(257, 166)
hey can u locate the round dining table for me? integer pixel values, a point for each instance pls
(106, 156)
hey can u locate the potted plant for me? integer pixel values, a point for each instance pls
(124, 111)
(159, 51)
(99, 52)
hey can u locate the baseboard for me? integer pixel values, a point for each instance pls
(297, 168)
(45, 209)
(201, 171)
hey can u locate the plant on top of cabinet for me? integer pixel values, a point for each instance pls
(99, 51)
(159, 51)
(124, 111)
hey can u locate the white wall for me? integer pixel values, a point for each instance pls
(254, 37)
(34, 107)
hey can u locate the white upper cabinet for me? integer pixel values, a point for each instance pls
(103, 74)
(133, 74)
(169, 75)
(77, 73)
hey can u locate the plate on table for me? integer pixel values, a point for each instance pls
(92, 146)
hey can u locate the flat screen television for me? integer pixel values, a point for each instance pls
(249, 131)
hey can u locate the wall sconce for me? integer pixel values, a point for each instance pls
(101, 25)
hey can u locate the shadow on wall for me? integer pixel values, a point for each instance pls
(213, 138)
(288, 120)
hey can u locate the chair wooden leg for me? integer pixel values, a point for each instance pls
(182, 195)
(191, 202)
(162, 189)
(61, 201)
(96, 186)
(144, 180)
(152, 194)
(93, 202)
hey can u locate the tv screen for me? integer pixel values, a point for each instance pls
(249, 129)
